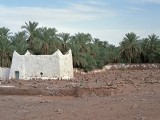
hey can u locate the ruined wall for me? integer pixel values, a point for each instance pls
(55, 66)
(4, 73)
(122, 66)
(131, 66)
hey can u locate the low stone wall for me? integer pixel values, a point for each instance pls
(4, 73)
(122, 67)
(131, 66)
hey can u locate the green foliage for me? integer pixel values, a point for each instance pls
(88, 53)
(130, 48)
(5, 47)
(91, 63)
(30, 29)
(64, 39)
(150, 49)
(19, 42)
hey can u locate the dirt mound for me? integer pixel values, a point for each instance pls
(21, 91)
(76, 92)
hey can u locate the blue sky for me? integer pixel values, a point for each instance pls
(107, 20)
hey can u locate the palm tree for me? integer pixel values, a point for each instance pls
(78, 57)
(47, 40)
(81, 49)
(130, 47)
(5, 32)
(30, 29)
(145, 47)
(19, 42)
(64, 39)
(113, 54)
(83, 40)
(154, 47)
(5, 46)
(153, 41)
(150, 48)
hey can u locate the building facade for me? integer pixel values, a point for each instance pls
(28, 66)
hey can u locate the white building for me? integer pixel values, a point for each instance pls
(4, 73)
(28, 66)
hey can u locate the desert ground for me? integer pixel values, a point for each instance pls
(107, 95)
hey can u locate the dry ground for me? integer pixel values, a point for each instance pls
(109, 95)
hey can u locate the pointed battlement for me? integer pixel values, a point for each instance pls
(27, 53)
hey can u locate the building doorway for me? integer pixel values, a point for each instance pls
(17, 75)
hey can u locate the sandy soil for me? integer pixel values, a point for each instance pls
(109, 95)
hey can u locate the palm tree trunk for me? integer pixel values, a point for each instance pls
(1, 60)
(130, 60)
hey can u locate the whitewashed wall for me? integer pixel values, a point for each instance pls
(55, 66)
(17, 65)
(66, 65)
(4, 73)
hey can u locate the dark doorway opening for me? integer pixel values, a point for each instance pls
(17, 75)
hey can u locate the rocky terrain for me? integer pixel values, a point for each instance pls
(107, 95)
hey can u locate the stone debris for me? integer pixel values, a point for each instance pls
(59, 111)
(40, 95)
(134, 106)
(143, 99)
